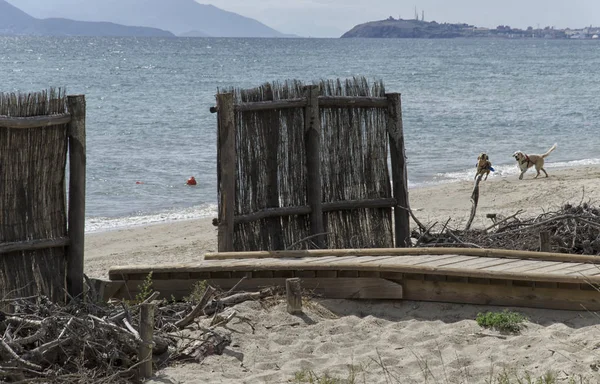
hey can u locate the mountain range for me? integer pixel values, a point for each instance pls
(180, 17)
(13, 21)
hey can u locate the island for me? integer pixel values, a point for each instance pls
(420, 29)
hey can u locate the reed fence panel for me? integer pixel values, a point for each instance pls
(308, 167)
(35, 130)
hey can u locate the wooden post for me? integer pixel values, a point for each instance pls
(293, 295)
(312, 142)
(272, 229)
(226, 170)
(544, 241)
(399, 173)
(76, 215)
(146, 334)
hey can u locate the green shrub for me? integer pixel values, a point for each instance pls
(505, 321)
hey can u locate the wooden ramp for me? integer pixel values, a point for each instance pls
(475, 276)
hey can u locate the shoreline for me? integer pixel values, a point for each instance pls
(187, 240)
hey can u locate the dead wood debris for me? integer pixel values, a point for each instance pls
(98, 343)
(573, 230)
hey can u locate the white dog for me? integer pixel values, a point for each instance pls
(527, 161)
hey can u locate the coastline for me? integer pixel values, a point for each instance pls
(187, 240)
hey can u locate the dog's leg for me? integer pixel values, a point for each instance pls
(544, 172)
(521, 175)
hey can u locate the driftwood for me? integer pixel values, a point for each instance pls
(571, 229)
(85, 342)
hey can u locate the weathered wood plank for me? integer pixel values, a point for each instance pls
(407, 251)
(226, 170)
(32, 245)
(77, 180)
(270, 105)
(312, 142)
(399, 172)
(35, 121)
(335, 288)
(492, 294)
(305, 210)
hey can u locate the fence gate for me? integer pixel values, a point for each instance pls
(41, 241)
(308, 167)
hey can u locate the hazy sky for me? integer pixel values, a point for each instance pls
(333, 17)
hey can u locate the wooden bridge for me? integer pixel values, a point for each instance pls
(474, 276)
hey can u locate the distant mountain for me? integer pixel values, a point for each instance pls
(14, 21)
(407, 29)
(178, 16)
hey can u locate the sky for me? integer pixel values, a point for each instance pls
(331, 18)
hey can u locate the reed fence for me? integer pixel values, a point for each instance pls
(41, 239)
(308, 166)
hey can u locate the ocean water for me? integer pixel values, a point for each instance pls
(148, 102)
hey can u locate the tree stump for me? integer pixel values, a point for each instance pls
(293, 295)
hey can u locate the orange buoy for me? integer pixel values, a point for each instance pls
(191, 181)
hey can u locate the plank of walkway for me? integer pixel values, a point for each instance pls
(479, 261)
(535, 264)
(481, 252)
(515, 264)
(557, 267)
(439, 262)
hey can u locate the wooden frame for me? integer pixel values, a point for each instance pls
(312, 103)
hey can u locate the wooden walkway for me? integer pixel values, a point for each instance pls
(494, 277)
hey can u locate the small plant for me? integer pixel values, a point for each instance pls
(505, 321)
(309, 377)
(198, 290)
(145, 289)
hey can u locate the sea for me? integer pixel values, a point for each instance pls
(149, 127)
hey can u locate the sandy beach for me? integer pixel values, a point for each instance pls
(383, 342)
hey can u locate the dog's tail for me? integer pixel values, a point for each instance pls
(550, 150)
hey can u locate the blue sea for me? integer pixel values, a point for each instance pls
(148, 103)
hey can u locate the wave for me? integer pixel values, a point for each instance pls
(101, 224)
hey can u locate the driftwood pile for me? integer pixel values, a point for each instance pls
(100, 343)
(571, 229)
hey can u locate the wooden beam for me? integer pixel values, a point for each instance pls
(507, 295)
(77, 179)
(32, 245)
(272, 233)
(334, 288)
(326, 207)
(399, 172)
(226, 170)
(35, 121)
(323, 101)
(312, 142)
(269, 105)
(352, 102)
(481, 252)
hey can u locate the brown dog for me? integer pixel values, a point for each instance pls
(484, 166)
(528, 161)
